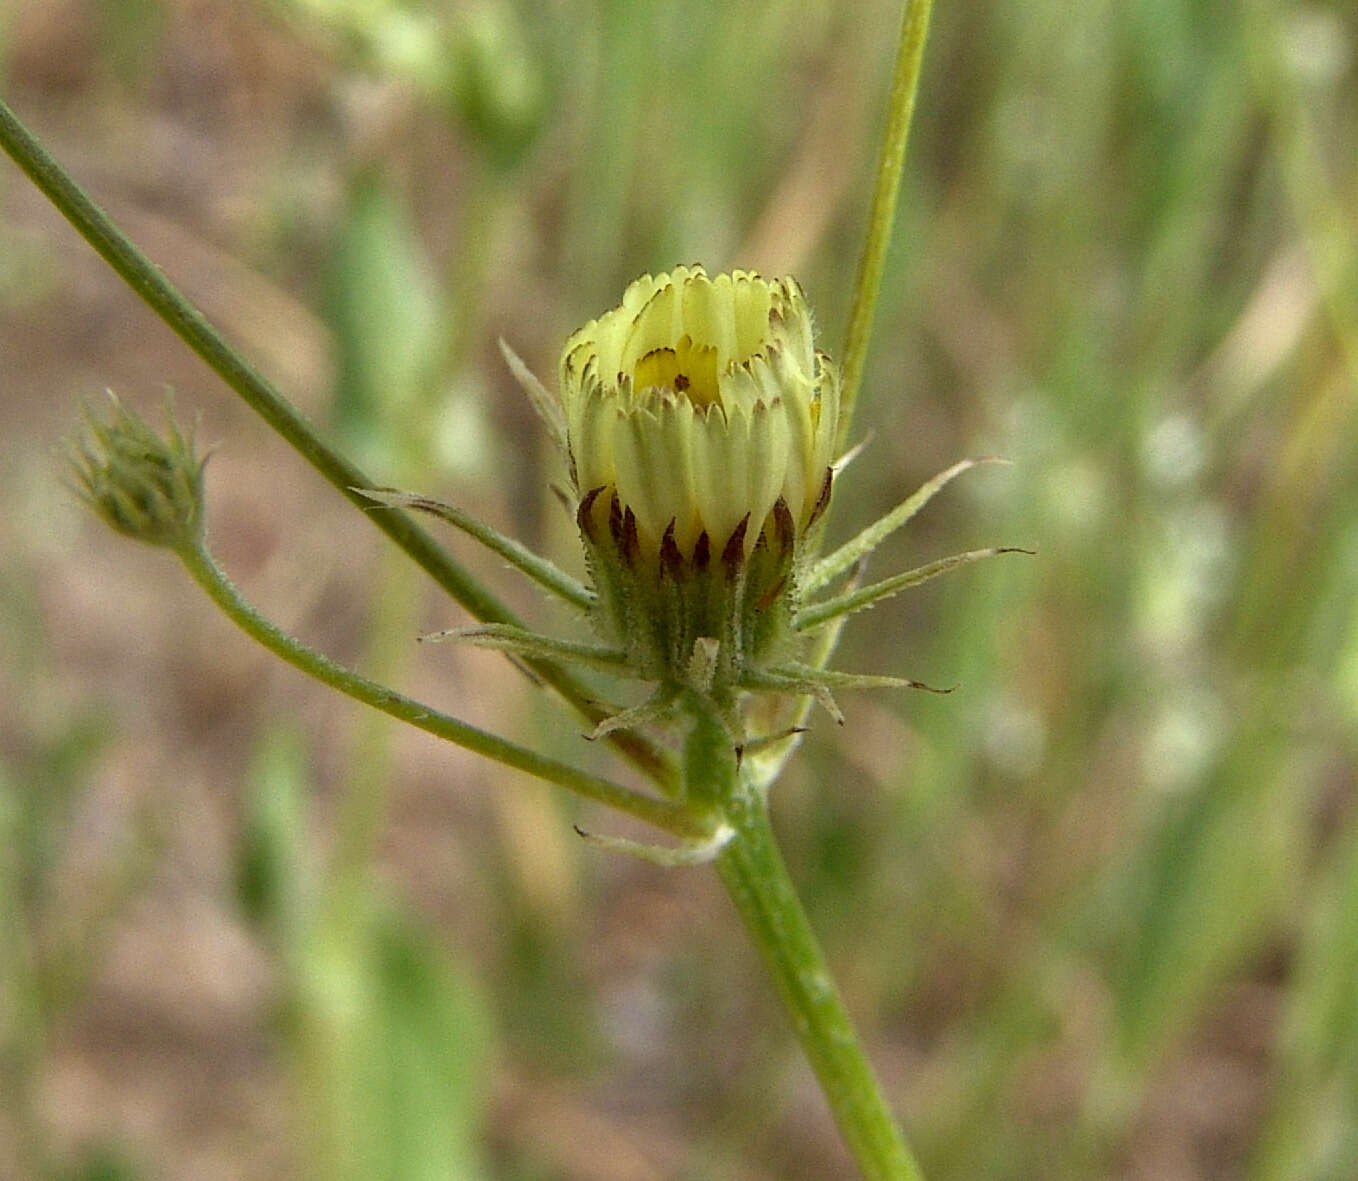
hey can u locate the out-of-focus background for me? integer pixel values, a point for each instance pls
(1096, 911)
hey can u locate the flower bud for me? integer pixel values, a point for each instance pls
(142, 484)
(700, 423)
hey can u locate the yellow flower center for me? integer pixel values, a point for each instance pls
(687, 369)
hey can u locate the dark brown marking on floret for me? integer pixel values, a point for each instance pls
(629, 546)
(702, 552)
(671, 560)
(733, 556)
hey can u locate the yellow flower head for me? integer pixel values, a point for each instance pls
(701, 403)
(699, 422)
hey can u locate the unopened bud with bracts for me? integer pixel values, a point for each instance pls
(700, 424)
(143, 483)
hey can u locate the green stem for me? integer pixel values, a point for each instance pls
(882, 216)
(757, 881)
(670, 817)
(193, 328)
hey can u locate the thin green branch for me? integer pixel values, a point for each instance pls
(882, 216)
(669, 817)
(193, 328)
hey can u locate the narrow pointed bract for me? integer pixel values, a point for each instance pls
(539, 569)
(837, 563)
(859, 599)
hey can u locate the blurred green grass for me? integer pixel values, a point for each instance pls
(1094, 909)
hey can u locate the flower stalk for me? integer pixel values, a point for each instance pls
(757, 881)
